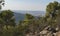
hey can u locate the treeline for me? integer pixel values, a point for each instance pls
(30, 24)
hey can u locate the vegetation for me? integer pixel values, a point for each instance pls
(52, 12)
(30, 24)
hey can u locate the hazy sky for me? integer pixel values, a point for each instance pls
(27, 4)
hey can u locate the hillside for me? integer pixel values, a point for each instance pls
(19, 15)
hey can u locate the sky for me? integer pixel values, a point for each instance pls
(34, 5)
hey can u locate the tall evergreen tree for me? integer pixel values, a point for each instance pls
(52, 12)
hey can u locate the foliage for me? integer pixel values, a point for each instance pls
(2, 2)
(8, 17)
(52, 12)
(31, 24)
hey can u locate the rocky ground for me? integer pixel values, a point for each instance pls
(46, 32)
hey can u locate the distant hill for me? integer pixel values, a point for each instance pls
(35, 13)
(19, 15)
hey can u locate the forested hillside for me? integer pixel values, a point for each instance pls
(30, 26)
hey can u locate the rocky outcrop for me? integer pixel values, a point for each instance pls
(48, 31)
